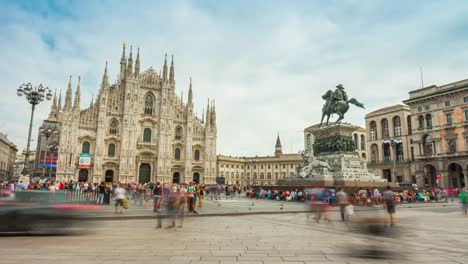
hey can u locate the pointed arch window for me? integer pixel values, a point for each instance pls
(111, 150)
(178, 133)
(197, 155)
(177, 154)
(428, 121)
(363, 142)
(114, 127)
(149, 104)
(147, 135)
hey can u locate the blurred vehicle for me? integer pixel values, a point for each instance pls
(42, 213)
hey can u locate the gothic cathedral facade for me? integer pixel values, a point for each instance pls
(137, 130)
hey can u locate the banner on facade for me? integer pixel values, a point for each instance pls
(85, 161)
(48, 159)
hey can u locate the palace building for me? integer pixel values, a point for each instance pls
(137, 129)
(259, 170)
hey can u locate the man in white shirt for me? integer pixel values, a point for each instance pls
(119, 195)
(376, 196)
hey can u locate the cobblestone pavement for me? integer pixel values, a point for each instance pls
(436, 235)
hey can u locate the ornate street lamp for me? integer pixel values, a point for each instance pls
(47, 130)
(34, 96)
(393, 143)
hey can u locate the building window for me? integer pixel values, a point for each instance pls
(111, 150)
(408, 121)
(399, 152)
(276, 166)
(363, 155)
(85, 147)
(248, 167)
(465, 99)
(268, 166)
(363, 142)
(269, 175)
(255, 167)
(420, 122)
(113, 127)
(397, 126)
(284, 166)
(149, 100)
(449, 118)
(386, 152)
(356, 140)
(412, 153)
(292, 166)
(384, 124)
(466, 115)
(261, 166)
(178, 133)
(309, 141)
(427, 141)
(147, 135)
(447, 103)
(373, 130)
(262, 175)
(177, 154)
(452, 146)
(197, 155)
(428, 121)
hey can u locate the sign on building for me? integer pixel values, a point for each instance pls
(85, 161)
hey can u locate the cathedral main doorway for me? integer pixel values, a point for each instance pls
(109, 176)
(83, 175)
(145, 173)
(176, 177)
(196, 178)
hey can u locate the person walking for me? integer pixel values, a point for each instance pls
(201, 195)
(190, 197)
(342, 201)
(119, 196)
(463, 195)
(389, 203)
(101, 191)
(157, 193)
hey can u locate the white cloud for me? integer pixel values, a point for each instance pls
(266, 65)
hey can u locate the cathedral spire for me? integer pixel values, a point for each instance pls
(68, 97)
(123, 62)
(130, 63)
(208, 114)
(190, 93)
(278, 147)
(171, 73)
(165, 68)
(213, 115)
(92, 101)
(76, 104)
(203, 116)
(59, 104)
(137, 63)
(105, 79)
(54, 102)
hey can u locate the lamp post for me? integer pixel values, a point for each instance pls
(34, 95)
(393, 143)
(47, 130)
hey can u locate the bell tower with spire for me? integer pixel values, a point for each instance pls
(278, 147)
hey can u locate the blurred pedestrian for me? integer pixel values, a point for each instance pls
(119, 196)
(157, 192)
(201, 195)
(463, 195)
(342, 201)
(389, 203)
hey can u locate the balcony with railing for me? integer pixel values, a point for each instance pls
(388, 160)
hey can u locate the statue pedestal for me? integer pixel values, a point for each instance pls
(334, 147)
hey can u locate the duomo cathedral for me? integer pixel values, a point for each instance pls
(137, 129)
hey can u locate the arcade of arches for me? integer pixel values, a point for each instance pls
(453, 177)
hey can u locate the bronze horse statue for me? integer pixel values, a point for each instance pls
(338, 107)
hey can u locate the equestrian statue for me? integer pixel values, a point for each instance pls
(337, 103)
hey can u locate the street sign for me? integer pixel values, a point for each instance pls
(85, 161)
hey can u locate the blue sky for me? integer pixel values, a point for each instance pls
(266, 63)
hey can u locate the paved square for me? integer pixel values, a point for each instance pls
(428, 235)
